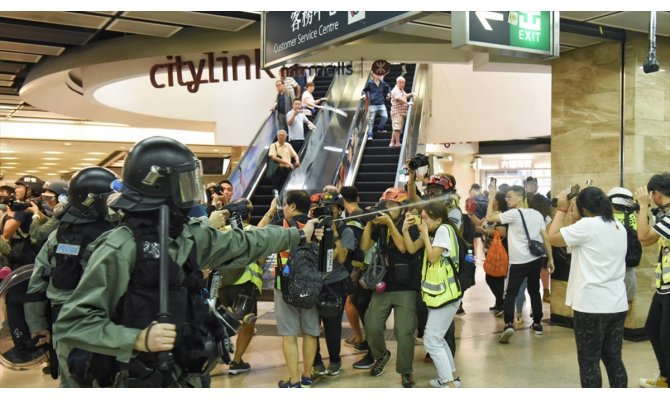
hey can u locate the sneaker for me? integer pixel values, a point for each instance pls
(461, 311)
(334, 369)
(457, 382)
(439, 384)
(238, 367)
(366, 362)
(362, 346)
(537, 328)
(306, 381)
(407, 380)
(499, 313)
(286, 384)
(506, 334)
(378, 367)
(369, 137)
(318, 370)
(427, 359)
(418, 341)
(657, 382)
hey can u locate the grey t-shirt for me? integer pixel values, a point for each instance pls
(339, 271)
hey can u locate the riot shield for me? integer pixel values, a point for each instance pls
(18, 351)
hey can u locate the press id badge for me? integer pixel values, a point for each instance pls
(68, 249)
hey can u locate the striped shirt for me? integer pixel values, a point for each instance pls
(662, 227)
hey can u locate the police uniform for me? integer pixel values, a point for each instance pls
(85, 320)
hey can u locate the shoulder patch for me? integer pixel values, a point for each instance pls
(116, 238)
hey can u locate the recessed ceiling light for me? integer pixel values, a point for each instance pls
(52, 174)
(64, 171)
(67, 144)
(8, 167)
(43, 168)
(49, 163)
(96, 153)
(51, 158)
(90, 159)
(32, 171)
(216, 150)
(10, 163)
(52, 152)
(9, 158)
(5, 151)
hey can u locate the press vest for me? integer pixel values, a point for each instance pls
(252, 272)
(663, 265)
(439, 283)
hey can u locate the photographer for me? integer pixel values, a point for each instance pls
(16, 227)
(336, 283)
(401, 286)
(596, 290)
(54, 197)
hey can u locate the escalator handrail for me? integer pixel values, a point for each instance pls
(413, 113)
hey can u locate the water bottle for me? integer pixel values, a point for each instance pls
(469, 257)
(285, 271)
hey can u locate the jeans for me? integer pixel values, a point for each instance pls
(439, 320)
(657, 328)
(422, 315)
(600, 337)
(517, 273)
(373, 110)
(403, 304)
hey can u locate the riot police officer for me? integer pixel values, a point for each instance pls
(61, 261)
(113, 311)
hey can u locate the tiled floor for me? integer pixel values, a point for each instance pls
(528, 361)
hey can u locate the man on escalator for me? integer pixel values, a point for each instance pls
(286, 158)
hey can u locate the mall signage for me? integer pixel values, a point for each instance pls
(287, 36)
(530, 34)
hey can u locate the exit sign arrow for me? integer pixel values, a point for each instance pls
(484, 16)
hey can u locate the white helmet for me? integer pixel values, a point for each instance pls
(620, 196)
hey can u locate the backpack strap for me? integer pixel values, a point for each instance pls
(525, 228)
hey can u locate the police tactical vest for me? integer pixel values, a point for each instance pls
(439, 281)
(195, 351)
(70, 251)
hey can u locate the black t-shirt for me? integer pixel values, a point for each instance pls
(357, 255)
(403, 270)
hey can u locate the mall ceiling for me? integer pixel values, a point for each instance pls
(28, 37)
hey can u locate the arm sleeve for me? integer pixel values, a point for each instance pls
(662, 227)
(443, 239)
(509, 216)
(36, 311)
(577, 233)
(273, 150)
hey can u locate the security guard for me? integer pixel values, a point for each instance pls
(110, 321)
(60, 262)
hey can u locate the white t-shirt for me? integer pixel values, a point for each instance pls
(596, 281)
(442, 239)
(296, 131)
(516, 235)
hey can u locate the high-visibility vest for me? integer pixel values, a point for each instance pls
(663, 265)
(252, 272)
(439, 284)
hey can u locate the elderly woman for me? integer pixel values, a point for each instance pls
(596, 290)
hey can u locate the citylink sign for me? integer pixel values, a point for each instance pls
(533, 34)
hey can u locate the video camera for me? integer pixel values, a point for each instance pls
(417, 162)
(16, 205)
(321, 211)
(374, 211)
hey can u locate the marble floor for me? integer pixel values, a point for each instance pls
(528, 361)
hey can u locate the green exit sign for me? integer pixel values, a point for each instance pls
(517, 33)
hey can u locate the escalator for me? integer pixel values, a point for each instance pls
(262, 196)
(379, 165)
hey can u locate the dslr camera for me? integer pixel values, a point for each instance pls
(321, 211)
(13, 204)
(373, 212)
(574, 191)
(417, 162)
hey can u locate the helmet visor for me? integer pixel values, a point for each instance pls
(189, 185)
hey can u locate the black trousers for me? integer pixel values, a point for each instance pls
(600, 337)
(658, 331)
(517, 273)
(278, 179)
(332, 329)
(497, 286)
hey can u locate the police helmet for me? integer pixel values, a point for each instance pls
(159, 170)
(32, 182)
(59, 187)
(620, 196)
(87, 195)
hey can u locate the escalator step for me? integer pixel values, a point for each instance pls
(382, 150)
(379, 159)
(375, 177)
(377, 168)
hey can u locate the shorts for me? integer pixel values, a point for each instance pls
(630, 280)
(293, 320)
(398, 122)
(228, 295)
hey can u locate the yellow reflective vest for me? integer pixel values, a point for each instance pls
(439, 283)
(663, 265)
(252, 272)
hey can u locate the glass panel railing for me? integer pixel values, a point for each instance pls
(251, 167)
(328, 143)
(410, 138)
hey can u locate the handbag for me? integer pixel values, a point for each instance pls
(536, 248)
(272, 166)
(496, 262)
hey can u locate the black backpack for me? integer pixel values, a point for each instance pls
(634, 252)
(302, 282)
(466, 269)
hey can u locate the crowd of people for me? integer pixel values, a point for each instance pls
(129, 269)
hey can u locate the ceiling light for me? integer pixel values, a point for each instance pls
(216, 150)
(8, 167)
(90, 159)
(9, 158)
(43, 168)
(5, 151)
(52, 152)
(51, 158)
(52, 174)
(96, 153)
(49, 163)
(67, 144)
(64, 171)
(10, 163)
(32, 171)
